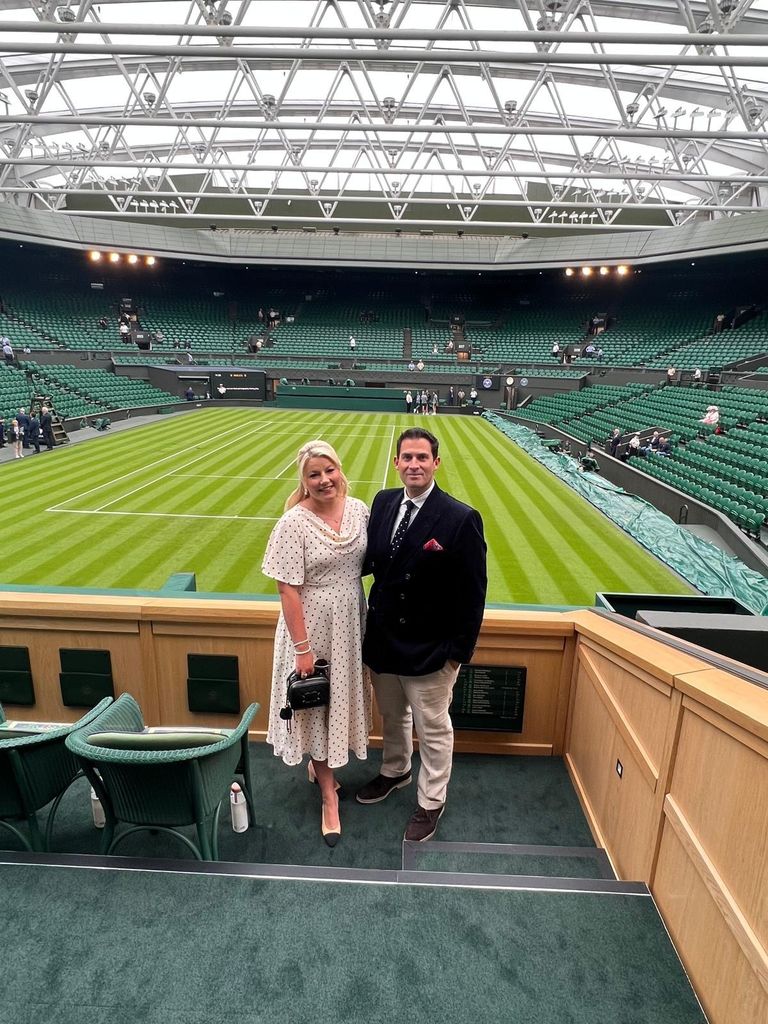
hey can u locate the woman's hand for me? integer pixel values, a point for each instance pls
(305, 664)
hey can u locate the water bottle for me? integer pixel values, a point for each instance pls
(99, 818)
(238, 809)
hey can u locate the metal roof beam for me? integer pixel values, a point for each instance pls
(412, 55)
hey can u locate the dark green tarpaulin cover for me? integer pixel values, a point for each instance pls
(710, 570)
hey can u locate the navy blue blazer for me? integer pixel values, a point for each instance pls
(426, 605)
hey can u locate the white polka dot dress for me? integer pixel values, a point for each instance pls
(325, 565)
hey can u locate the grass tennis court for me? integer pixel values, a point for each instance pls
(200, 493)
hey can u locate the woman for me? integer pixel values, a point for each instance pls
(316, 553)
(17, 439)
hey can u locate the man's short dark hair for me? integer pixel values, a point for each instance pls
(419, 434)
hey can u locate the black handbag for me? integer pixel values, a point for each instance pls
(310, 692)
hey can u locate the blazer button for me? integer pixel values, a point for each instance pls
(402, 622)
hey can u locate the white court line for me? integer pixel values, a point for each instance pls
(158, 515)
(205, 455)
(125, 476)
(293, 460)
(389, 455)
(227, 476)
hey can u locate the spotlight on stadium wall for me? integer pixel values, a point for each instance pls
(604, 271)
(94, 256)
(114, 257)
(569, 271)
(622, 271)
(133, 259)
(586, 271)
(150, 261)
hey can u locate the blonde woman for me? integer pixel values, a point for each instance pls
(316, 554)
(17, 439)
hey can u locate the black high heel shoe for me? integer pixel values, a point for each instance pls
(312, 777)
(330, 835)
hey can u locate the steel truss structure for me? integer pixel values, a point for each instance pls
(533, 116)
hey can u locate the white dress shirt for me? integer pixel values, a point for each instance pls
(418, 502)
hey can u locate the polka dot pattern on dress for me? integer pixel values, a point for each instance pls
(325, 565)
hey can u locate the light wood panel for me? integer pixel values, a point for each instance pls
(724, 979)
(150, 660)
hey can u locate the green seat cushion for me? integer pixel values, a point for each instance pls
(154, 741)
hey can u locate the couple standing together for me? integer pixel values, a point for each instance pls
(426, 552)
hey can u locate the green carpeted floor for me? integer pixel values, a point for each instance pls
(88, 946)
(491, 800)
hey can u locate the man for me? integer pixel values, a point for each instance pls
(614, 441)
(34, 432)
(408, 401)
(352, 343)
(426, 551)
(7, 350)
(46, 425)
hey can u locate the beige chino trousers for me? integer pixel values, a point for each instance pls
(422, 702)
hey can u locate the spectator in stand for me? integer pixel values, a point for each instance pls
(451, 396)
(190, 357)
(634, 446)
(189, 394)
(261, 315)
(420, 365)
(719, 323)
(461, 396)
(589, 351)
(473, 395)
(696, 376)
(103, 323)
(411, 365)
(408, 402)
(7, 350)
(449, 346)
(352, 343)
(159, 337)
(434, 350)
(671, 374)
(125, 331)
(664, 447)
(556, 351)
(653, 444)
(613, 441)
(711, 417)
(600, 354)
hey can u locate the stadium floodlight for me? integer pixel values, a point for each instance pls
(133, 259)
(94, 256)
(586, 271)
(150, 261)
(604, 271)
(569, 271)
(622, 271)
(114, 257)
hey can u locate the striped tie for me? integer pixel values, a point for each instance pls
(397, 540)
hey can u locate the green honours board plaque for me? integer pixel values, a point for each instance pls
(489, 697)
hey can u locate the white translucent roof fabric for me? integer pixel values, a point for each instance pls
(561, 113)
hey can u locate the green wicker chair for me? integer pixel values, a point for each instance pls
(35, 769)
(161, 781)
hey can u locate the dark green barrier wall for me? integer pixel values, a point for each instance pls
(296, 396)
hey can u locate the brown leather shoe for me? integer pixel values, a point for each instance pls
(378, 789)
(423, 824)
